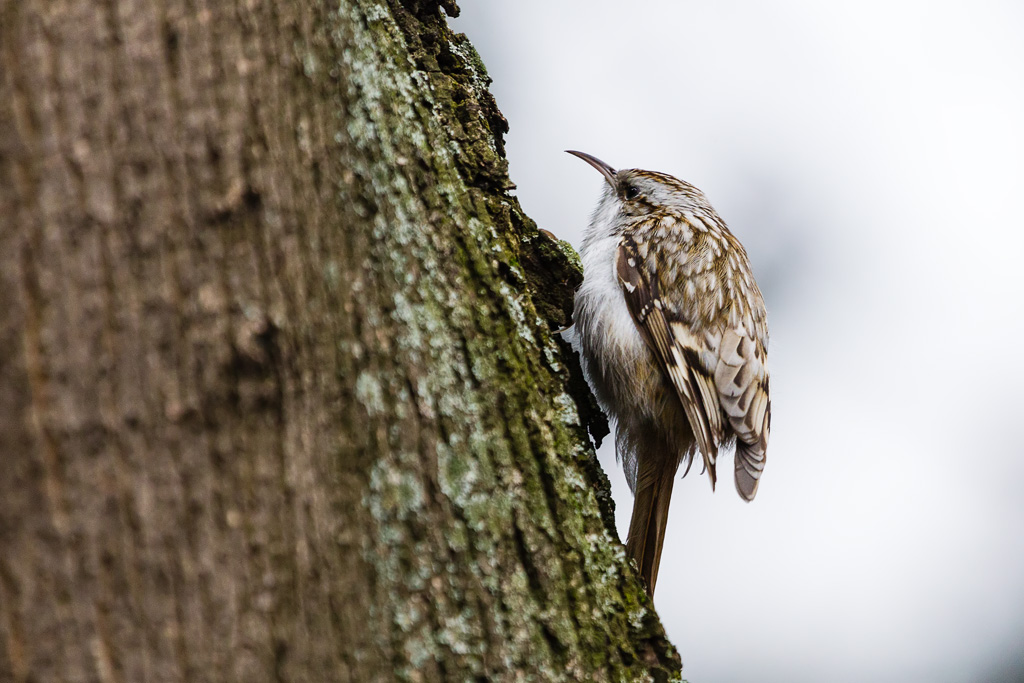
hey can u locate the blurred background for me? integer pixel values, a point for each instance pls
(870, 156)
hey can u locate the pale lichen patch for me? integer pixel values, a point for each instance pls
(370, 394)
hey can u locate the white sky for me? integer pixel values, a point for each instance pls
(871, 157)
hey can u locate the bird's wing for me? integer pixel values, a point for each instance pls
(741, 380)
(676, 348)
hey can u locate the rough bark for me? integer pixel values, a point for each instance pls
(281, 396)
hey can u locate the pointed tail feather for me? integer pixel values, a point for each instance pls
(650, 517)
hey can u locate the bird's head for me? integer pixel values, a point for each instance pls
(635, 192)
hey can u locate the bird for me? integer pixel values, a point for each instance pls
(673, 335)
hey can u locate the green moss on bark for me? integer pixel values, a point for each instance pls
(494, 549)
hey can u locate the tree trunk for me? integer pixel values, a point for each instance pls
(281, 396)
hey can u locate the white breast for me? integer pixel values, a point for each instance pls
(601, 314)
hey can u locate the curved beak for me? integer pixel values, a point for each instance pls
(607, 171)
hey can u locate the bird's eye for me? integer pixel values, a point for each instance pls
(632, 192)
